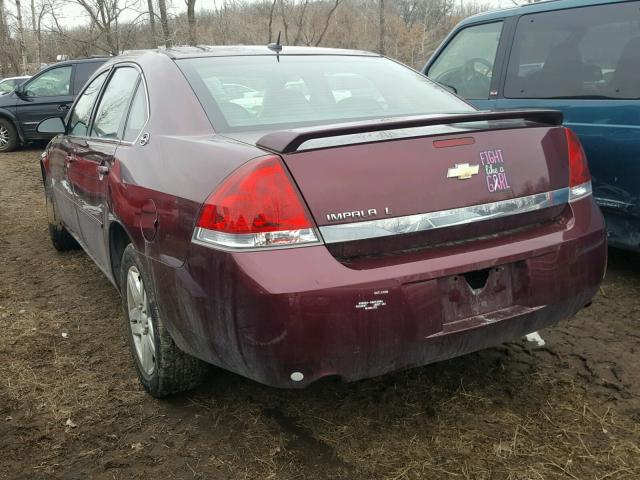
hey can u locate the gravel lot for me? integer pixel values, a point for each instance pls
(70, 406)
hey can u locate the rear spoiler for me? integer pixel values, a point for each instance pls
(288, 141)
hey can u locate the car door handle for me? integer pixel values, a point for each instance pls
(63, 107)
(103, 169)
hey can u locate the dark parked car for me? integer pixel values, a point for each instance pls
(578, 56)
(49, 92)
(316, 233)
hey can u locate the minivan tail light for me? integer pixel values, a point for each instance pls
(255, 207)
(579, 175)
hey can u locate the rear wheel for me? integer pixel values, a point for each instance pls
(162, 367)
(61, 239)
(8, 136)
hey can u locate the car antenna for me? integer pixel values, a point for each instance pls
(276, 46)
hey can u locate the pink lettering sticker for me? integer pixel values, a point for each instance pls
(493, 163)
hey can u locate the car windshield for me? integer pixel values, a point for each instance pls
(247, 93)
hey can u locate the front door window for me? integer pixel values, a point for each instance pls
(466, 64)
(52, 83)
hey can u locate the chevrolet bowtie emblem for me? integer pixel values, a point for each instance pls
(463, 171)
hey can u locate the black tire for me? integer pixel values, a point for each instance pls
(8, 136)
(174, 371)
(61, 239)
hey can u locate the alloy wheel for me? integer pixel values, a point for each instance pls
(4, 136)
(140, 321)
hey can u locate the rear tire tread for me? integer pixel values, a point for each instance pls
(175, 371)
(13, 135)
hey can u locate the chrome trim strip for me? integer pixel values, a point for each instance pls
(444, 218)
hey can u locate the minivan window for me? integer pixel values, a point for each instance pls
(114, 103)
(81, 114)
(587, 52)
(297, 90)
(466, 63)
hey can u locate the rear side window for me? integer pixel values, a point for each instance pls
(138, 114)
(578, 53)
(466, 64)
(114, 103)
(81, 114)
(83, 71)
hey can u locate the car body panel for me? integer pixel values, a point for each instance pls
(320, 329)
(608, 128)
(409, 176)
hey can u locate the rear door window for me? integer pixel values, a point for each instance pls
(109, 118)
(83, 71)
(81, 114)
(466, 64)
(586, 52)
(137, 115)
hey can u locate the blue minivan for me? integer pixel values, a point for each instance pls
(578, 56)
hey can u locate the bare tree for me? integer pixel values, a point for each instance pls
(104, 15)
(3, 38)
(271, 11)
(22, 44)
(191, 21)
(164, 22)
(36, 25)
(152, 22)
(381, 26)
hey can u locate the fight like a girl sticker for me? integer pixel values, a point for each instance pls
(496, 176)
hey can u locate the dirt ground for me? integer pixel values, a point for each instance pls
(71, 407)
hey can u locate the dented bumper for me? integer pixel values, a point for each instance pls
(274, 315)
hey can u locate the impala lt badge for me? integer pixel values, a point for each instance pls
(463, 171)
(355, 214)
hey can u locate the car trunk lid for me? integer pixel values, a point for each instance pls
(362, 182)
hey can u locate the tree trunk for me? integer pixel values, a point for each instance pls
(191, 21)
(273, 6)
(3, 38)
(152, 22)
(36, 33)
(21, 42)
(381, 24)
(164, 22)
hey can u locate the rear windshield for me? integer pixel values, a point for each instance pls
(248, 93)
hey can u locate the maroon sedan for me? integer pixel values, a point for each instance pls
(309, 213)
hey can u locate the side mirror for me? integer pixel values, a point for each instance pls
(51, 126)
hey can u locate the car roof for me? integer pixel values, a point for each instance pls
(545, 6)
(73, 61)
(245, 50)
(15, 78)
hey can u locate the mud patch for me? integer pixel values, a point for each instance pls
(568, 410)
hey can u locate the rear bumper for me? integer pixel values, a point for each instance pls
(265, 315)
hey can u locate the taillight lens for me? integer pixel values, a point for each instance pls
(579, 175)
(257, 206)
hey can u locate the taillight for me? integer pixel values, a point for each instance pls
(579, 175)
(257, 206)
